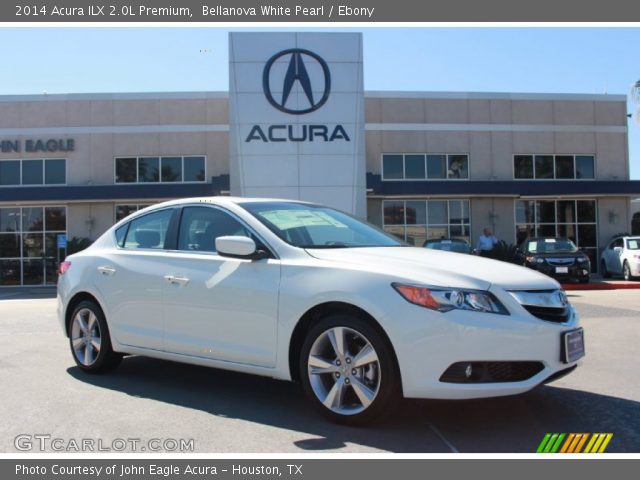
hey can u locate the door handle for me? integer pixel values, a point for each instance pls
(176, 279)
(107, 270)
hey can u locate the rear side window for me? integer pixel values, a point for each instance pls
(200, 226)
(148, 231)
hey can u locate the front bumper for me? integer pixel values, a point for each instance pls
(428, 343)
(576, 271)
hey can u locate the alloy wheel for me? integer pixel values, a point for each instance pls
(626, 271)
(86, 337)
(344, 370)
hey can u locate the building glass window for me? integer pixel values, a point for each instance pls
(148, 169)
(523, 166)
(392, 167)
(585, 167)
(573, 219)
(549, 167)
(194, 169)
(544, 166)
(123, 211)
(436, 166)
(458, 166)
(173, 169)
(414, 166)
(126, 170)
(55, 171)
(416, 221)
(29, 253)
(418, 166)
(33, 171)
(564, 167)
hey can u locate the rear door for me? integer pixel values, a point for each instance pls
(129, 278)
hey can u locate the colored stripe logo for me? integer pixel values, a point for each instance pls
(574, 443)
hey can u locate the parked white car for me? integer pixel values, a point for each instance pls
(621, 257)
(302, 292)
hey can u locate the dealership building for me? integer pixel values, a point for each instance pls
(297, 123)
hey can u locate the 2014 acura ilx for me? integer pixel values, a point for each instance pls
(298, 291)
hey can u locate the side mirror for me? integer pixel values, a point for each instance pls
(238, 247)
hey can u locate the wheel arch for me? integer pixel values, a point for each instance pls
(74, 302)
(322, 310)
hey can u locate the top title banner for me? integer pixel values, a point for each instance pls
(319, 11)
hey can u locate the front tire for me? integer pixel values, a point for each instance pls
(626, 271)
(348, 370)
(89, 339)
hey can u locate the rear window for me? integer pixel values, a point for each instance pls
(148, 231)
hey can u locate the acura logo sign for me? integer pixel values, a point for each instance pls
(296, 74)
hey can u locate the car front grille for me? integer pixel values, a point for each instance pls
(550, 314)
(490, 372)
(547, 305)
(561, 262)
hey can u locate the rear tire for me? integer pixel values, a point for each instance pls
(603, 270)
(89, 339)
(348, 370)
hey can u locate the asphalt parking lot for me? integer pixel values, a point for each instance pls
(42, 392)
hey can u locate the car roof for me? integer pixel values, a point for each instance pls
(461, 240)
(536, 239)
(225, 200)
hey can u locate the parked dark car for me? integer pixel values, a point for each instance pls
(556, 257)
(457, 245)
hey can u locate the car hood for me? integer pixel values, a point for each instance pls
(439, 268)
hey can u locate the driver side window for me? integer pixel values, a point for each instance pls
(200, 226)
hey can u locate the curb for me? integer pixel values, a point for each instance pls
(602, 286)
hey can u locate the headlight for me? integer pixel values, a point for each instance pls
(532, 259)
(445, 299)
(583, 259)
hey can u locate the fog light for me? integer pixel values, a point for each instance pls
(468, 371)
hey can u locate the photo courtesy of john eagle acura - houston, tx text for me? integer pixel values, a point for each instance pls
(298, 291)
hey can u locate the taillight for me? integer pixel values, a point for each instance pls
(63, 267)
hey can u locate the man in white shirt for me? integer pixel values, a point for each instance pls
(486, 242)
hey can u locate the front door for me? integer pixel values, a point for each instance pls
(216, 307)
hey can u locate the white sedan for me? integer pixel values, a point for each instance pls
(621, 256)
(302, 292)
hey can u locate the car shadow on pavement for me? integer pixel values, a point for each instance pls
(506, 424)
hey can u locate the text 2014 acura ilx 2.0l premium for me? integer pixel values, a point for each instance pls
(303, 292)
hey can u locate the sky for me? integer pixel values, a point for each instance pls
(488, 59)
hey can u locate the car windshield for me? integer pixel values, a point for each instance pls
(552, 245)
(314, 226)
(459, 246)
(633, 244)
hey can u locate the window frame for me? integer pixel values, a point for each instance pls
(182, 158)
(554, 155)
(447, 160)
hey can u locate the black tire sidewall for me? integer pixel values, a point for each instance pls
(107, 358)
(389, 393)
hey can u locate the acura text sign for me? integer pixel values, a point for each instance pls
(297, 117)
